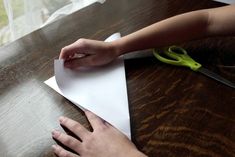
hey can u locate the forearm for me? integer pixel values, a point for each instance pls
(174, 30)
(177, 29)
(222, 21)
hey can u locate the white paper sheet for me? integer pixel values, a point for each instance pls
(226, 1)
(101, 90)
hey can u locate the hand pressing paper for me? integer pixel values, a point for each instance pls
(101, 90)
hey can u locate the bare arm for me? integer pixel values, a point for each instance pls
(184, 27)
(180, 28)
(221, 21)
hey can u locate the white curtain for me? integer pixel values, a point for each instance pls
(25, 16)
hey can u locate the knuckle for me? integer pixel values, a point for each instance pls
(89, 139)
(76, 126)
(71, 143)
(68, 142)
(63, 153)
(102, 128)
(82, 41)
(91, 115)
(64, 49)
(60, 152)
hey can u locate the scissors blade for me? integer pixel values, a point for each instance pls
(216, 77)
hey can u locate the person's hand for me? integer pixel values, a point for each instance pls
(104, 141)
(85, 52)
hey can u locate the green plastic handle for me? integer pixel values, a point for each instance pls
(179, 56)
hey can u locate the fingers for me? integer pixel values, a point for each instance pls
(87, 53)
(61, 152)
(84, 61)
(76, 47)
(95, 121)
(67, 140)
(68, 52)
(75, 127)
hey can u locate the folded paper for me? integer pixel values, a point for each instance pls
(101, 90)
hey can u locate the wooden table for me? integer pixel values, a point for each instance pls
(174, 111)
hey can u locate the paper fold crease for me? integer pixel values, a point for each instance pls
(101, 90)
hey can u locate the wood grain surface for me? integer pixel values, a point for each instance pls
(174, 111)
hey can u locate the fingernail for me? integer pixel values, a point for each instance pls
(55, 133)
(61, 119)
(54, 147)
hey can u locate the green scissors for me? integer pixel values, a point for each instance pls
(179, 57)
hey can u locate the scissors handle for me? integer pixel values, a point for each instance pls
(179, 58)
